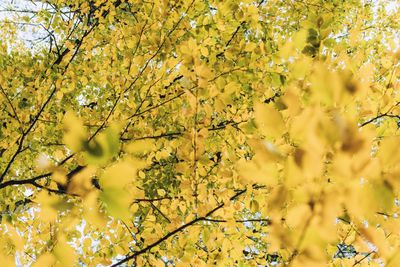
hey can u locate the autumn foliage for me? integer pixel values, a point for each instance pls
(199, 133)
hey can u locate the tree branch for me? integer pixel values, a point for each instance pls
(378, 117)
(177, 230)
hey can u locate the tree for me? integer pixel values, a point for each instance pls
(199, 133)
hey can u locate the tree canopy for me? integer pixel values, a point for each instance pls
(199, 133)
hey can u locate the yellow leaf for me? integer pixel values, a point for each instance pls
(45, 259)
(64, 253)
(91, 210)
(59, 176)
(388, 151)
(50, 204)
(254, 206)
(258, 171)
(75, 135)
(81, 183)
(84, 80)
(298, 215)
(140, 146)
(393, 260)
(269, 121)
(386, 62)
(118, 175)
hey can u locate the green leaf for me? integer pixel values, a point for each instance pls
(103, 148)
